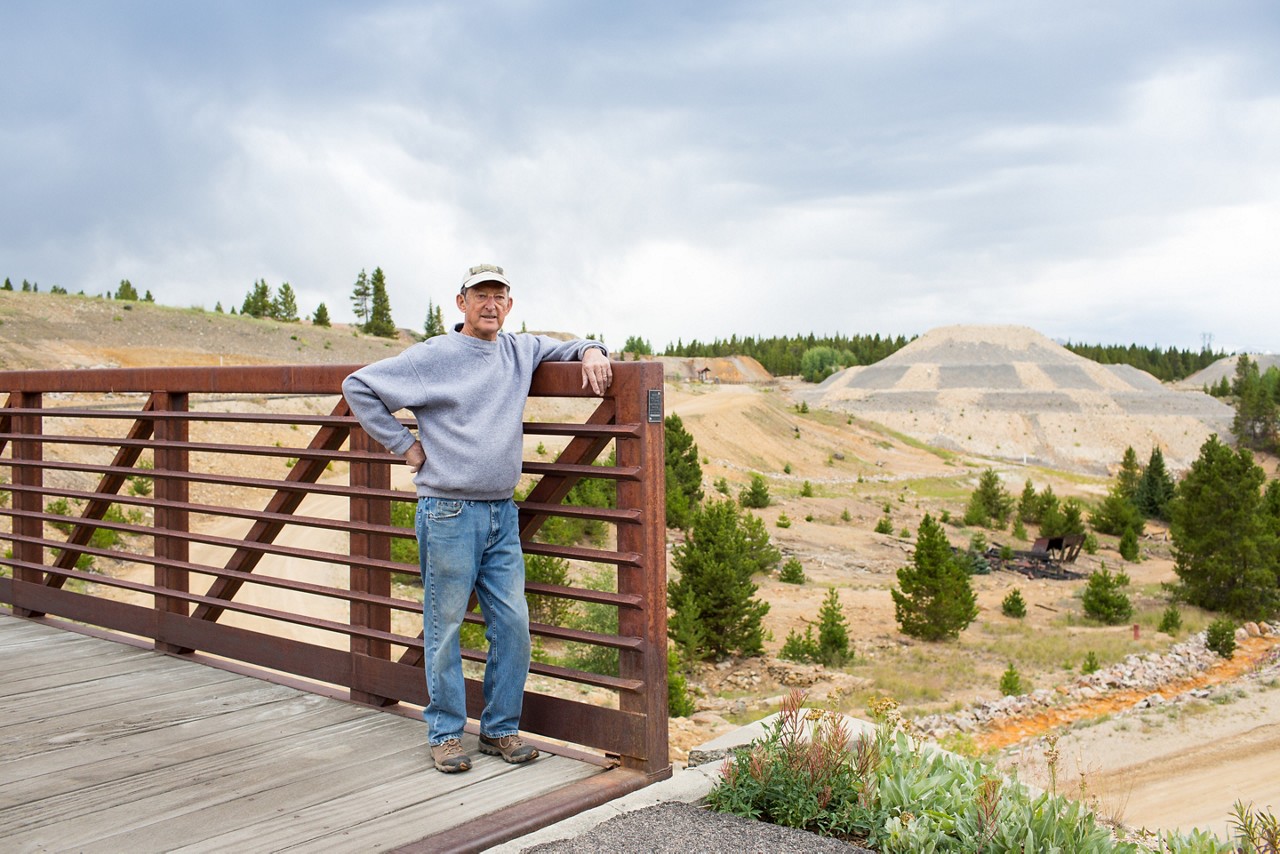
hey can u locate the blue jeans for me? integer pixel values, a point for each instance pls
(466, 545)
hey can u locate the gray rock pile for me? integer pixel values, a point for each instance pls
(1136, 672)
(1009, 392)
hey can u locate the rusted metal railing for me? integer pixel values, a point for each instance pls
(262, 533)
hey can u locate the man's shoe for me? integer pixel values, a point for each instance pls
(450, 757)
(510, 747)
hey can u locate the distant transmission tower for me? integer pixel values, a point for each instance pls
(1206, 342)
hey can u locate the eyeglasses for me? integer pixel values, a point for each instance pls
(497, 299)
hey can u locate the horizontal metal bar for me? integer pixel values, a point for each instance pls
(610, 472)
(579, 511)
(581, 553)
(551, 428)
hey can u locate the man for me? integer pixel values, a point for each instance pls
(467, 391)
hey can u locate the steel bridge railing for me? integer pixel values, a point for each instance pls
(242, 513)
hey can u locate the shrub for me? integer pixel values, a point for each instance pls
(990, 505)
(1129, 545)
(934, 599)
(801, 648)
(1013, 605)
(1090, 545)
(1221, 637)
(1090, 664)
(679, 702)
(884, 526)
(1019, 530)
(806, 490)
(545, 569)
(756, 495)
(784, 521)
(722, 486)
(1171, 620)
(792, 572)
(1104, 600)
(808, 772)
(844, 515)
(715, 565)
(1011, 682)
(833, 632)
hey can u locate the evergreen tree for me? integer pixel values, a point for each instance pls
(1256, 424)
(1129, 476)
(360, 296)
(1116, 515)
(284, 306)
(147, 297)
(8, 285)
(1224, 547)
(126, 291)
(990, 505)
(684, 474)
(714, 573)
(1105, 600)
(934, 599)
(380, 322)
(217, 306)
(1156, 488)
(1029, 504)
(434, 324)
(321, 317)
(833, 631)
(26, 286)
(637, 346)
(257, 302)
(756, 495)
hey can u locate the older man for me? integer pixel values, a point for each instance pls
(467, 392)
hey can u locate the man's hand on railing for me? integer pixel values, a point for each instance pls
(596, 371)
(415, 457)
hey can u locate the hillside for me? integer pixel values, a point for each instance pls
(42, 331)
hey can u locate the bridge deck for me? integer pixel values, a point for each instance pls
(108, 747)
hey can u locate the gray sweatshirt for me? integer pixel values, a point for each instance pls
(468, 397)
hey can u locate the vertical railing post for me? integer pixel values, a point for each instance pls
(170, 491)
(640, 401)
(28, 449)
(369, 511)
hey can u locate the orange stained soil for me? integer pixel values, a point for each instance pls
(1248, 655)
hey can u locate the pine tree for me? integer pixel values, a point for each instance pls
(1224, 545)
(434, 324)
(934, 599)
(1029, 504)
(1256, 423)
(833, 631)
(360, 296)
(257, 302)
(990, 505)
(147, 297)
(1129, 476)
(684, 473)
(380, 322)
(755, 496)
(217, 306)
(8, 285)
(284, 307)
(714, 574)
(126, 291)
(321, 317)
(1156, 488)
(1104, 599)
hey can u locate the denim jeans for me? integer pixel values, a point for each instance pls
(466, 545)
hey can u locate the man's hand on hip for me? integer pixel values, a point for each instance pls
(415, 457)
(597, 371)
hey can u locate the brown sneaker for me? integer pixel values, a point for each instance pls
(510, 747)
(450, 757)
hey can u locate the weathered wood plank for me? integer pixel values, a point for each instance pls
(142, 752)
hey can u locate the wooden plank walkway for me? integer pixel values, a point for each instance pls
(105, 747)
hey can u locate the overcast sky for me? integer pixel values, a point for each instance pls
(1107, 172)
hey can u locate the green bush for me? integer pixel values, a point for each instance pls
(755, 496)
(784, 521)
(1090, 664)
(1013, 605)
(881, 789)
(934, 598)
(1011, 682)
(1171, 620)
(806, 490)
(1129, 545)
(1220, 637)
(792, 572)
(884, 526)
(1104, 598)
(679, 701)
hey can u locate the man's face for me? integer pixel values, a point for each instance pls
(484, 307)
